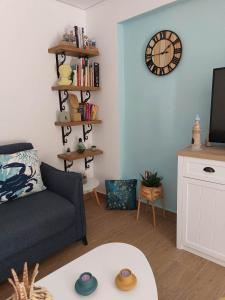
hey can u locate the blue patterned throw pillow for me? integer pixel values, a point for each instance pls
(121, 194)
(19, 175)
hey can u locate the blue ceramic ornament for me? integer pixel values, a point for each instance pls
(86, 284)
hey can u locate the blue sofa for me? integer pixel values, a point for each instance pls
(36, 226)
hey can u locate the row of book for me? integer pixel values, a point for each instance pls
(88, 111)
(79, 36)
(85, 73)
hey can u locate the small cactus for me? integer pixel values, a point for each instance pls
(151, 179)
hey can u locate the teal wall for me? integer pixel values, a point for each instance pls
(157, 112)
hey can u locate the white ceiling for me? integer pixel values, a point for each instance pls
(83, 4)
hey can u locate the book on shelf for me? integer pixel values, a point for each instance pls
(85, 73)
(88, 111)
(96, 74)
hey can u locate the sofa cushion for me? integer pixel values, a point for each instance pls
(19, 175)
(32, 219)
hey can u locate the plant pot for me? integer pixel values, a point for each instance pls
(151, 193)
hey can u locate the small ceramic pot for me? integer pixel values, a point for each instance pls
(86, 284)
(125, 280)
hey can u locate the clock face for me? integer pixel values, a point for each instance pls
(163, 52)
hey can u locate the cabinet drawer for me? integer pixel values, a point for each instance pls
(203, 169)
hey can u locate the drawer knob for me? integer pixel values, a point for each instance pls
(209, 170)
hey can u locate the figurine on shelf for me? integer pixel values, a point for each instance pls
(74, 105)
(92, 43)
(80, 146)
(94, 112)
(196, 134)
(66, 37)
(71, 37)
(65, 75)
(93, 148)
(86, 41)
(64, 116)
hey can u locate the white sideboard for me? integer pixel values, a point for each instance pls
(201, 203)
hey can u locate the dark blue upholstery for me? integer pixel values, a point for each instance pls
(33, 218)
(34, 227)
(13, 148)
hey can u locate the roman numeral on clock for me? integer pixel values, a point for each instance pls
(175, 60)
(170, 68)
(155, 39)
(176, 41)
(154, 69)
(163, 35)
(147, 56)
(162, 71)
(150, 63)
(177, 50)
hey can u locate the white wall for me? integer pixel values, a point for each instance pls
(102, 21)
(28, 106)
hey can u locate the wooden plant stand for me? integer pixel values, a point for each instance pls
(151, 194)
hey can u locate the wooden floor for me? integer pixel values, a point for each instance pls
(179, 275)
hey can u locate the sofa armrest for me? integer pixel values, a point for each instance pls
(67, 185)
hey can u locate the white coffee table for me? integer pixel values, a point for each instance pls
(104, 263)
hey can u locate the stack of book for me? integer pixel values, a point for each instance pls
(88, 111)
(85, 73)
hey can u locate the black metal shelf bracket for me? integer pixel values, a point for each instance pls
(87, 162)
(63, 96)
(60, 59)
(67, 165)
(65, 133)
(85, 99)
(86, 132)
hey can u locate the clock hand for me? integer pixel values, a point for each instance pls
(159, 53)
(166, 49)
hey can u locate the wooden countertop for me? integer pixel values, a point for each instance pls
(213, 153)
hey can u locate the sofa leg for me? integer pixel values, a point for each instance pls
(84, 240)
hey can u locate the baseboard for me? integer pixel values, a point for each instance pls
(169, 214)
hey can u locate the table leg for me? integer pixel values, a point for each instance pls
(96, 197)
(153, 214)
(163, 207)
(139, 206)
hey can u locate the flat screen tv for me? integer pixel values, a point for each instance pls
(217, 119)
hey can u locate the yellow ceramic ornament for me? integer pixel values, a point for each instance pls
(125, 280)
(65, 75)
(94, 113)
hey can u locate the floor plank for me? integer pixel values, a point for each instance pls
(179, 274)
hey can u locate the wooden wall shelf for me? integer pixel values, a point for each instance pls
(75, 155)
(70, 50)
(77, 123)
(61, 52)
(75, 88)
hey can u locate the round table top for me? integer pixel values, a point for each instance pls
(92, 183)
(104, 262)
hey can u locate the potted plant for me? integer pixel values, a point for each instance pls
(151, 186)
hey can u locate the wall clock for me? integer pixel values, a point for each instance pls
(163, 52)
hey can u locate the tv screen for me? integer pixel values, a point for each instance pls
(217, 120)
